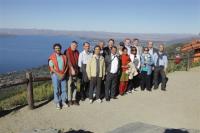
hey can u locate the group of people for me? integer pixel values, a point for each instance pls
(105, 71)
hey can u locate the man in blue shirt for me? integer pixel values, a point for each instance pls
(160, 63)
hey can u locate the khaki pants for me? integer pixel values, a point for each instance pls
(72, 89)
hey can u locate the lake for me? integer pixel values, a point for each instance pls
(22, 52)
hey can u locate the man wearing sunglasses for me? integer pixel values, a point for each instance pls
(146, 70)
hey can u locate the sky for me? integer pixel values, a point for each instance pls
(125, 16)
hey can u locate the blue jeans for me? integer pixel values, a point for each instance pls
(60, 93)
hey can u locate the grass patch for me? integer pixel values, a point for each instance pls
(176, 67)
(18, 96)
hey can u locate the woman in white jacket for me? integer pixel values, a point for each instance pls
(135, 59)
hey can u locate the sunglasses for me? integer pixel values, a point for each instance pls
(57, 48)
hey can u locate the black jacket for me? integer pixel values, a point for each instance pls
(108, 63)
(106, 51)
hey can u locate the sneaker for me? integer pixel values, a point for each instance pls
(75, 102)
(64, 105)
(99, 100)
(70, 102)
(94, 94)
(129, 91)
(91, 101)
(107, 99)
(114, 98)
(155, 87)
(58, 106)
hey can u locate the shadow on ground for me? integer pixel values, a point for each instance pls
(175, 131)
(138, 127)
(15, 109)
(78, 131)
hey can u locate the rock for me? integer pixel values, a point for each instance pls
(139, 127)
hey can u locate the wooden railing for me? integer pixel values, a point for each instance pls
(188, 59)
(30, 79)
(29, 82)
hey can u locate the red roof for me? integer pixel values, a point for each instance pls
(191, 46)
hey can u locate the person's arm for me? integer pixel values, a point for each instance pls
(151, 60)
(72, 71)
(80, 60)
(142, 61)
(51, 65)
(166, 63)
(139, 62)
(155, 58)
(103, 70)
(66, 69)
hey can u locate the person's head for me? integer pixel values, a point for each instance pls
(111, 42)
(127, 41)
(86, 46)
(133, 50)
(114, 50)
(74, 45)
(146, 50)
(101, 44)
(124, 50)
(121, 45)
(150, 44)
(135, 41)
(57, 48)
(161, 48)
(97, 50)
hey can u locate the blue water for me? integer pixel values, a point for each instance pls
(22, 52)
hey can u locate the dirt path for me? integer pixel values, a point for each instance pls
(178, 107)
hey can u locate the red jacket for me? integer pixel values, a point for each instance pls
(72, 57)
(55, 62)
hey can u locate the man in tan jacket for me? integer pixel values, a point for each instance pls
(96, 71)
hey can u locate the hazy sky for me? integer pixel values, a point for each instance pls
(134, 16)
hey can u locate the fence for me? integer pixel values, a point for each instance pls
(29, 81)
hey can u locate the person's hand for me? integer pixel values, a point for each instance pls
(165, 70)
(60, 76)
(136, 73)
(72, 71)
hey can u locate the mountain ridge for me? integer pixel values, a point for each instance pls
(163, 37)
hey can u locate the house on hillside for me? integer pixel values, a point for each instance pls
(194, 47)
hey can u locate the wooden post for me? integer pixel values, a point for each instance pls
(30, 90)
(188, 62)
